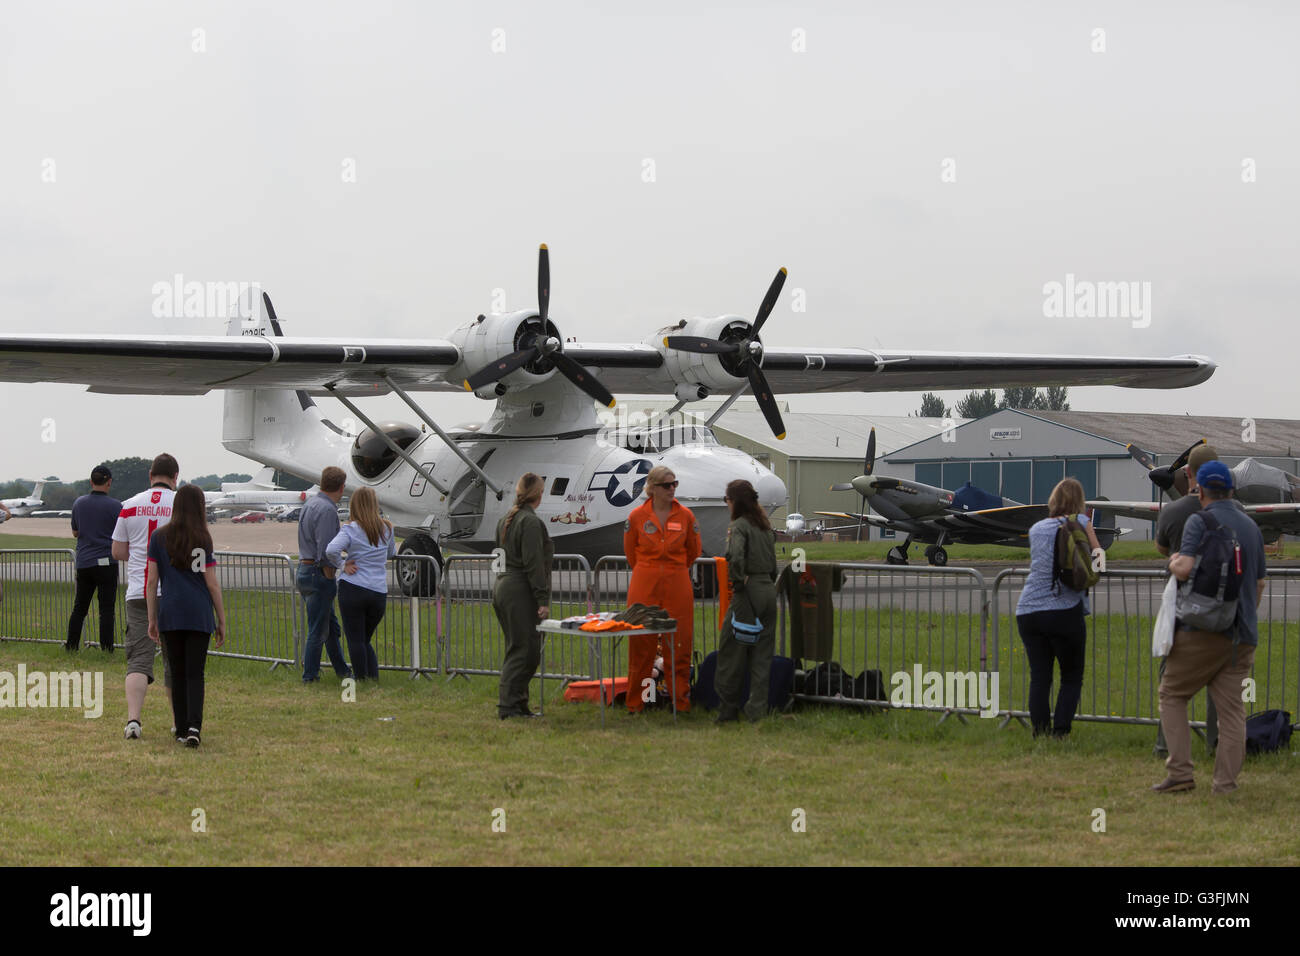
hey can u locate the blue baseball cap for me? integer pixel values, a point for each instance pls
(1214, 474)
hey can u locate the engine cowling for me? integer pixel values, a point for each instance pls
(714, 372)
(490, 338)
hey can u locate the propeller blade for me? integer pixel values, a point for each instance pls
(769, 300)
(270, 314)
(684, 343)
(543, 282)
(763, 393)
(580, 377)
(499, 369)
(842, 486)
(869, 462)
(1181, 460)
(1143, 458)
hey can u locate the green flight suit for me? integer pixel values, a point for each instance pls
(751, 568)
(517, 594)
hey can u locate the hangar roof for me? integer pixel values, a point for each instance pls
(817, 435)
(1169, 435)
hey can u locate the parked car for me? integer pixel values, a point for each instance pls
(290, 514)
(249, 517)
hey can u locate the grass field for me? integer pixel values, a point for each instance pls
(289, 774)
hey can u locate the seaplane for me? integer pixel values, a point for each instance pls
(446, 487)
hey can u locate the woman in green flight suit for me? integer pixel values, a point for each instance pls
(751, 568)
(522, 594)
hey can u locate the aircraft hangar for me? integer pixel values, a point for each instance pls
(1023, 454)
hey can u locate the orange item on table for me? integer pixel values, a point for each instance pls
(724, 590)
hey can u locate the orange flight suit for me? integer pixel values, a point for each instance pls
(661, 559)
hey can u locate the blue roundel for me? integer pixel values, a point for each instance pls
(624, 484)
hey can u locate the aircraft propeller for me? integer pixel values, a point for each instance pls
(746, 355)
(1168, 476)
(537, 344)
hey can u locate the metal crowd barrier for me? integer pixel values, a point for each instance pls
(887, 618)
(39, 589)
(472, 639)
(896, 619)
(1121, 678)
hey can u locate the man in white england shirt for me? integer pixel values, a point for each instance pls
(141, 516)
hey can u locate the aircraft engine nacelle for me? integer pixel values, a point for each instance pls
(490, 338)
(714, 372)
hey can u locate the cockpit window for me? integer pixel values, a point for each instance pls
(642, 440)
(372, 456)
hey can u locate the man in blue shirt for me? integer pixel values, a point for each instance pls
(1219, 661)
(317, 526)
(93, 518)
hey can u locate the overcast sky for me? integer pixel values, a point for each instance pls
(814, 136)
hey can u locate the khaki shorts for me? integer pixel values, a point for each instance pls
(140, 650)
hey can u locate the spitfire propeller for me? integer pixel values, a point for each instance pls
(1168, 476)
(538, 345)
(741, 353)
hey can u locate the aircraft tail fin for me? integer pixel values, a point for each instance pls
(281, 428)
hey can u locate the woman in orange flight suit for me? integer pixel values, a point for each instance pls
(661, 539)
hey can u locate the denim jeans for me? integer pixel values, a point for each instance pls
(322, 626)
(1049, 637)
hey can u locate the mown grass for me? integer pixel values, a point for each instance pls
(292, 774)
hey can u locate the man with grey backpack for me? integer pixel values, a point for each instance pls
(1221, 567)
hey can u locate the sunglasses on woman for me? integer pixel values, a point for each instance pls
(668, 484)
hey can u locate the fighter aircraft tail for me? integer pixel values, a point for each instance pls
(280, 428)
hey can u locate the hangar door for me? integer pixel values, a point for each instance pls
(1015, 480)
(1046, 476)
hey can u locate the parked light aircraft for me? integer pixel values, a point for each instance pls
(938, 516)
(23, 507)
(1268, 494)
(260, 493)
(451, 486)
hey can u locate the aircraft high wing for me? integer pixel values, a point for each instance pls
(451, 486)
(195, 365)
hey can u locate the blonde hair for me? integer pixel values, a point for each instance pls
(363, 508)
(657, 474)
(528, 487)
(1066, 498)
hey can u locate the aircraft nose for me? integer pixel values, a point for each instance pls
(772, 492)
(864, 485)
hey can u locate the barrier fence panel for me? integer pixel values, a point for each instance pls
(407, 637)
(472, 640)
(39, 587)
(914, 622)
(265, 617)
(1121, 678)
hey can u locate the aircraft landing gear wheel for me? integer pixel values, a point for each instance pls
(419, 578)
(936, 556)
(895, 556)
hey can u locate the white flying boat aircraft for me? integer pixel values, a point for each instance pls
(450, 486)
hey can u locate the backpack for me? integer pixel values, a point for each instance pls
(780, 686)
(1207, 600)
(1267, 731)
(828, 679)
(1072, 558)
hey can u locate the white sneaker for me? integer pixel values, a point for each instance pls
(133, 730)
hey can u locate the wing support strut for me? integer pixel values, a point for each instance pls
(453, 445)
(397, 449)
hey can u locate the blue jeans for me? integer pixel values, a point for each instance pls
(322, 626)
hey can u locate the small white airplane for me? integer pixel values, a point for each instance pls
(23, 507)
(450, 487)
(794, 523)
(260, 493)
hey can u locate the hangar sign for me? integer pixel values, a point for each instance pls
(1004, 434)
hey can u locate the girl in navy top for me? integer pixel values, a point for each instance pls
(369, 542)
(1050, 617)
(181, 560)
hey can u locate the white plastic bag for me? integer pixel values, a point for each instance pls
(1162, 638)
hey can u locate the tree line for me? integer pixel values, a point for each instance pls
(977, 404)
(130, 477)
